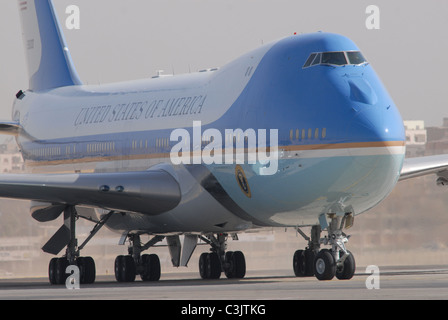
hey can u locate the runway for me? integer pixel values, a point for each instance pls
(393, 283)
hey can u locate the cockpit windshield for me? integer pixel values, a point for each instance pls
(355, 57)
(337, 58)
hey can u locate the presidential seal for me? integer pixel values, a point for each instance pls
(242, 181)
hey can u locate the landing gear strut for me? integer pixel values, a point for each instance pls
(212, 264)
(326, 263)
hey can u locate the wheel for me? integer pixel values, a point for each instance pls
(229, 269)
(151, 267)
(324, 265)
(303, 263)
(125, 269)
(203, 265)
(239, 265)
(118, 266)
(60, 266)
(129, 269)
(87, 270)
(209, 266)
(213, 266)
(236, 265)
(52, 271)
(347, 271)
(309, 262)
(299, 263)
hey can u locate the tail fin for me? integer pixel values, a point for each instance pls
(49, 61)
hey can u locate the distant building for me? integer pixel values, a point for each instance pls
(416, 138)
(10, 157)
(437, 139)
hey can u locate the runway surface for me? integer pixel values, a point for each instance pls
(394, 283)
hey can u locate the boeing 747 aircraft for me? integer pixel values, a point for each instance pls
(297, 133)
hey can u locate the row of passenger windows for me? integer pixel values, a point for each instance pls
(46, 152)
(57, 151)
(296, 134)
(100, 147)
(304, 134)
(340, 58)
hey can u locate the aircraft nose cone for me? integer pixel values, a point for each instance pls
(376, 123)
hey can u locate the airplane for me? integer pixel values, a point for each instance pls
(187, 158)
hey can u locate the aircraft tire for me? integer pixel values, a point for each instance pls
(239, 262)
(125, 269)
(151, 267)
(87, 269)
(348, 270)
(213, 266)
(324, 265)
(236, 263)
(56, 271)
(299, 263)
(209, 266)
(303, 263)
(202, 265)
(52, 271)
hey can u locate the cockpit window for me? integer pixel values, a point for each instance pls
(310, 59)
(356, 57)
(317, 59)
(337, 58)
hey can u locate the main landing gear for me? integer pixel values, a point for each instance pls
(147, 265)
(126, 267)
(66, 236)
(213, 263)
(325, 264)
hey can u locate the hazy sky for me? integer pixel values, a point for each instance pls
(131, 39)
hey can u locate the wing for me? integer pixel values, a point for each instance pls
(416, 167)
(149, 192)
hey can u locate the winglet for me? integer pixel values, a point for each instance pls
(49, 61)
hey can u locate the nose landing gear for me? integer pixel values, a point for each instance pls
(325, 264)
